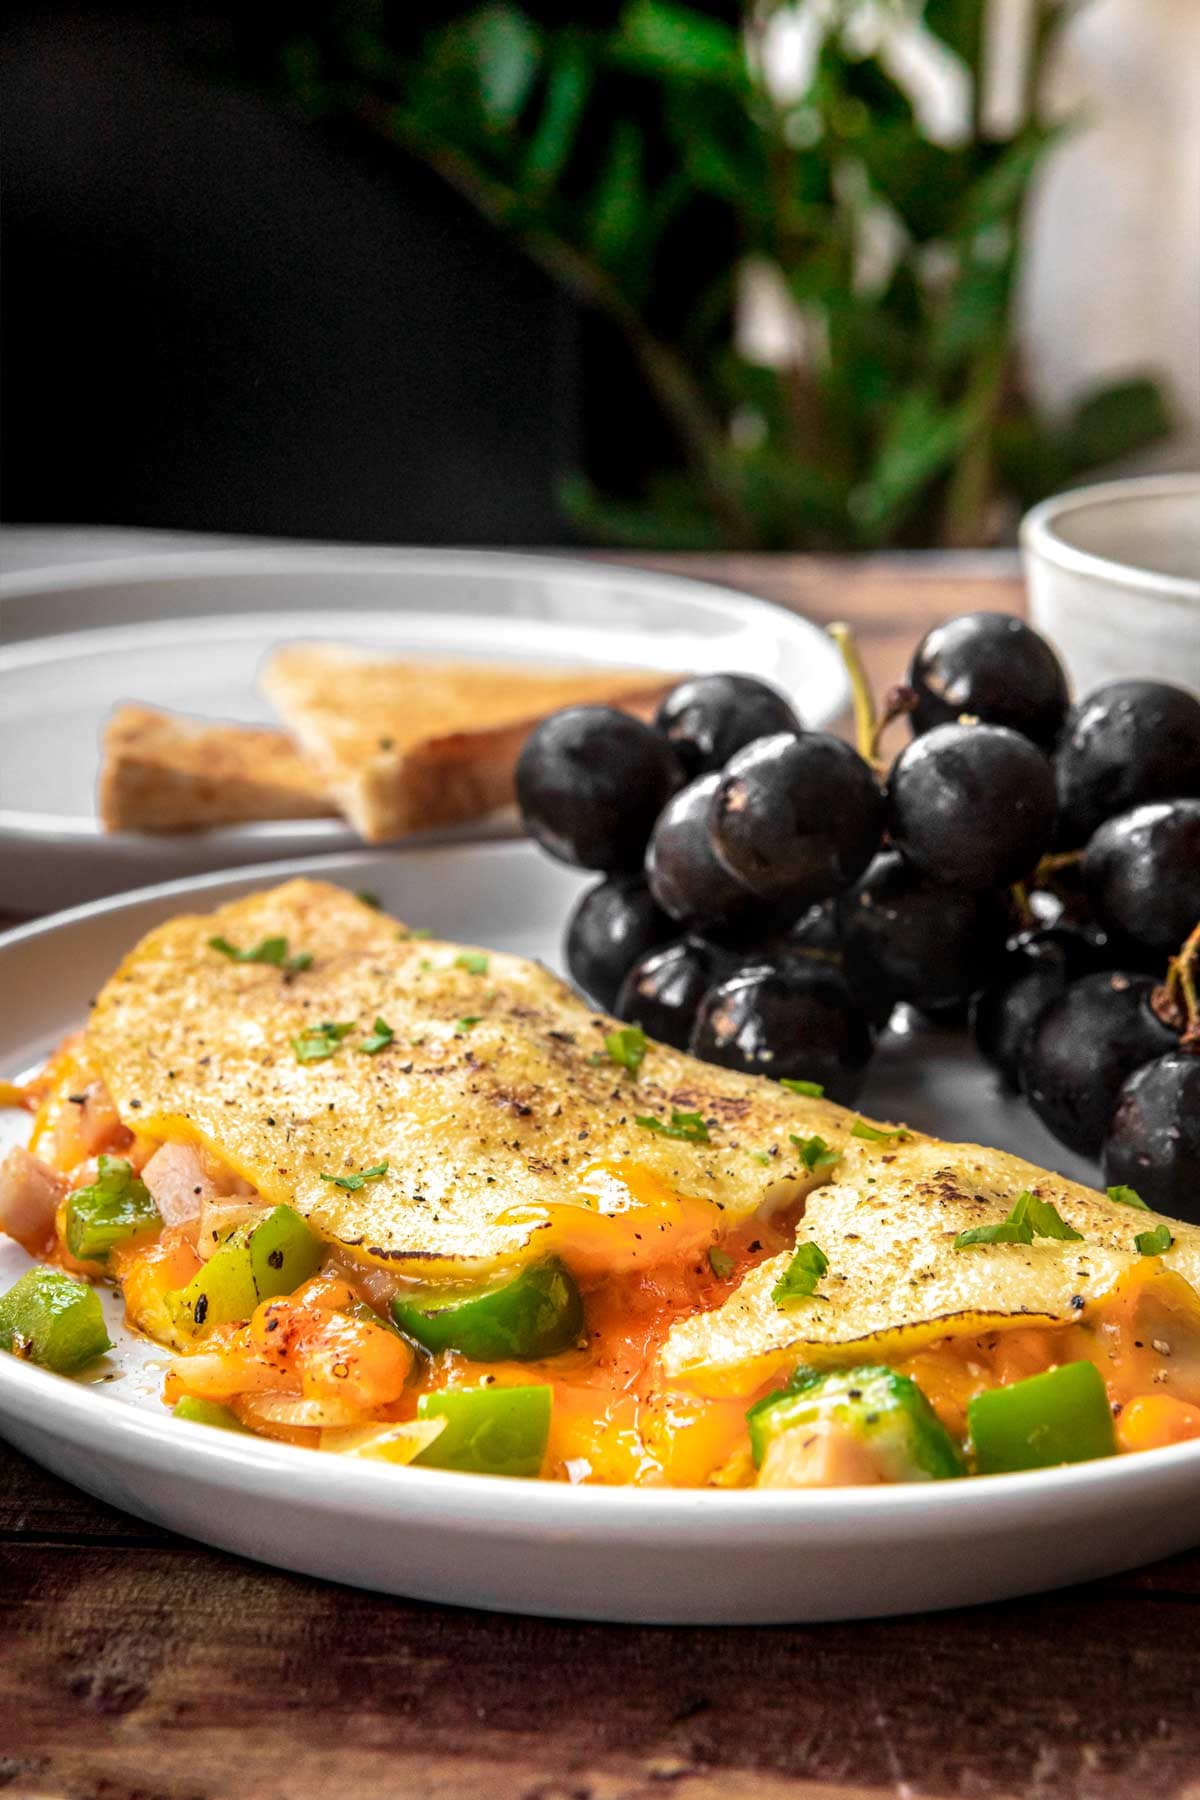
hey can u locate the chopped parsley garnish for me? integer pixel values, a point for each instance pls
(760, 1156)
(352, 1183)
(873, 1135)
(475, 962)
(272, 950)
(462, 1026)
(815, 1153)
(318, 1042)
(368, 898)
(627, 1048)
(802, 1274)
(689, 1126)
(378, 1040)
(1030, 1218)
(812, 1090)
(720, 1261)
(1154, 1243)
(1127, 1196)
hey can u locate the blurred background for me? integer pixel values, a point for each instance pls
(826, 275)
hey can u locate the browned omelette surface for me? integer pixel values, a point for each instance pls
(895, 1281)
(494, 1105)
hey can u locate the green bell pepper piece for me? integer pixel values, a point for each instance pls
(52, 1319)
(255, 1263)
(887, 1411)
(206, 1412)
(488, 1430)
(111, 1210)
(1060, 1417)
(533, 1313)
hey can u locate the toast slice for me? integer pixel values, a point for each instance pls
(163, 772)
(404, 746)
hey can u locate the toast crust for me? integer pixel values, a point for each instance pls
(163, 772)
(405, 746)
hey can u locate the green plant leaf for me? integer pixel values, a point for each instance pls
(664, 521)
(959, 24)
(974, 312)
(920, 441)
(925, 183)
(568, 85)
(619, 197)
(506, 50)
(678, 42)
(1002, 176)
(1112, 422)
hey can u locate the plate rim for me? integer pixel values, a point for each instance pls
(497, 1501)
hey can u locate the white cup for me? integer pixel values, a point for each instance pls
(1114, 579)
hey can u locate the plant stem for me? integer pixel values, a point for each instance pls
(1020, 897)
(1050, 865)
(971, 483)
(860, 691)
(898, 702)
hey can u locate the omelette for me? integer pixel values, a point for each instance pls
(404, 1199)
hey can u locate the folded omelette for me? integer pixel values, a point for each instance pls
(408, 1198)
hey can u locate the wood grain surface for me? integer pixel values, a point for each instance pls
(136, 1666)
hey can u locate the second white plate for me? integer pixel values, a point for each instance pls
(188, 632)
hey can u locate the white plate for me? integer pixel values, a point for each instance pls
(188, 631)
(639, 1555)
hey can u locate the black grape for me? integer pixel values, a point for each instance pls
(708, 718)
(1128, 743)
(1083, 1048)
(614, 924)
(996, 669)
(794, 1017)
(907, 938)
(590, 783)
(971, 806)
(1141, 873)
(1153, 1142)
(796, 816)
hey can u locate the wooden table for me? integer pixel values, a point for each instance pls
(136, 1666)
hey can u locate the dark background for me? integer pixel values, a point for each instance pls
(217, 316)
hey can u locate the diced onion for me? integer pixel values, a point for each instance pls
(385, 1443)
(218, 1217)
(377, 1285)
(290, 1410)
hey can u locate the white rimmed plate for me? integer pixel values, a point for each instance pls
(188, 631)
(637, 1555)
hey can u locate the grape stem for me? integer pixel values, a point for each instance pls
(898, 702)
(1025, 912)
(865, 728)
(1050, 865)
(1180, 993)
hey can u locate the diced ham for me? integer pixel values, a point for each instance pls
(377, 1285)
(823, 1454)
(29, 1195)
(179, 1183)
(186, 1184)
(88, 1124)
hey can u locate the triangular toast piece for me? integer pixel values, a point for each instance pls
(406, 745)
(164, 772)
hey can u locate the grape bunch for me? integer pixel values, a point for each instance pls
(1026, 869)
